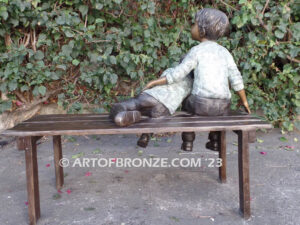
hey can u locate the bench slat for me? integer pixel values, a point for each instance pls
(86, 128)
(146, 120)
(71, 117)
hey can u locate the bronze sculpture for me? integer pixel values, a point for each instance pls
(213, 66)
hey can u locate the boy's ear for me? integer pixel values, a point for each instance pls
(201, 32)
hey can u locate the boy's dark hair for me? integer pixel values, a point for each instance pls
(212, 23)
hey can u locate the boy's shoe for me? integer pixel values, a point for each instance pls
(212, 145)
(115, 109)
(127, 118)
(187, 141)
(187, 146)
(144, 140)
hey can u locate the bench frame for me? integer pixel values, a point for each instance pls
(29, 144)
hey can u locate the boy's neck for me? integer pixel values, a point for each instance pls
(204, 39)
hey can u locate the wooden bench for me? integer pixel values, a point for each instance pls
(29, 131)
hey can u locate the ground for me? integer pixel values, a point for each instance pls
(155, 196)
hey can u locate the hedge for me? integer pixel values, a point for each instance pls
(100, 51)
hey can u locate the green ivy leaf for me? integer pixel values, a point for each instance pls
(283, 139)
(140, 152)
(77, 155)
(279, 34)
(113, 78)
(60, 20)
(75, 62)
(98, 20)
(259, 140)
(147, 33)
(42, 90)
(3, 12)
(39, 55)
(83, 9)
(113, 60)
(24, 88)
(69, 33)
(12, 85)
(99, 6)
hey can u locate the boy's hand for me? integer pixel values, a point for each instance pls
(149, 85)
(153, 83)
(243, 100)
(246, 105)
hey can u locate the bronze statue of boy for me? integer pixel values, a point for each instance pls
(213, 67)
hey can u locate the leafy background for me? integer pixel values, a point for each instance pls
(101, 51)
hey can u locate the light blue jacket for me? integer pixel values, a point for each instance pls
(214, 68)
(172, 95)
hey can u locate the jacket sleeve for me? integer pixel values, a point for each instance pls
(234, 75)
(169, 70)
(177, 73)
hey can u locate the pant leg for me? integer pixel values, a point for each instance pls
(159, 110)
(150, 106)
(210, 106)
(127, 105)
(144, 103)
(188, 137)
(189, 104)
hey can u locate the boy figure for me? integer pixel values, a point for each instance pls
(156, 102)
(213, 66)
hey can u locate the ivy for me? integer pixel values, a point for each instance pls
(97, 51)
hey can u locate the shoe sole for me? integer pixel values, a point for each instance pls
(130, 118)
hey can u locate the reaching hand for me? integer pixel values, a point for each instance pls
(149, 85)
(243, 100)
(246, 105)
(159, 81)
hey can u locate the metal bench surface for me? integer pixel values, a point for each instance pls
(85, 124)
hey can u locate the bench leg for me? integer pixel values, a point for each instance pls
(21, 142)
(32, 179)
(251, 135)
(222, 156)
(59, 172)
(243, 161)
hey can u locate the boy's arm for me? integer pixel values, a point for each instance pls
(236, 81)
(159, 81)
(176, 74)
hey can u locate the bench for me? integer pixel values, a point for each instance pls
(55, 125)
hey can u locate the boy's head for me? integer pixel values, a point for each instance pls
(210, 24)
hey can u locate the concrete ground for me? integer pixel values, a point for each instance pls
(155, 196)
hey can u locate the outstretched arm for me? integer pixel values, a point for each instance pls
(236, 81)
(176, 74)
(243, 98)
(159, 81)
